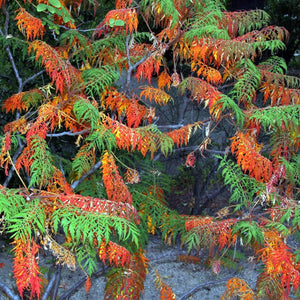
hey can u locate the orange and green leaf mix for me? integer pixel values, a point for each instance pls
(95, 193)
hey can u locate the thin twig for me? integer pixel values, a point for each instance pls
(85, 175)
(69, 133)
(11, 161)
(56, 282)
(14, 159)
(33, 77)
(49, 287)
(201, 286)
(9, 53)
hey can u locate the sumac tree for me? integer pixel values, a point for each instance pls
(104, 193)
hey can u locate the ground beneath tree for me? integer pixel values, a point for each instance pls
(187, 280)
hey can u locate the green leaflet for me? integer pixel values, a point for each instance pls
(102, 139)
(206, 24)
(167, 8)
(243, 188)
(83, 227)
(245, 88)
(274, 116)
(86, 112)
(228, 103)
(30, 219)
(41, 170)
(249, 232)
(97, 79)
(275, 64)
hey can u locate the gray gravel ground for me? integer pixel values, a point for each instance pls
(188, 281)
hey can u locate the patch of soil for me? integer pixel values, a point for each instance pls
(188, 281)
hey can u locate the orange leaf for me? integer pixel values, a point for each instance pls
(114, 184)
(26, 269)
(159, 96)
(88, 284)
(127, 15)
(246, 150)
(32, 27)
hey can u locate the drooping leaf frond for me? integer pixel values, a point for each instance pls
(128, 16)
(26, 269)
(280, 95)
(207, 24)
(113, 208)
(159, 96)
(240, 22)
(125, 107)
(243, 189)
(58, 68)
(93, 227)
(23, 101)
(84, 161)
(274, 64)
(202, 92)
(29, 25)
(127, 282)
(164, 11)
(248, 156)
(114, 184)
(102, 139)
(96, 80)
(244, 91)
(276, 116)
(204, 231)
(237, 287)
(86, 112)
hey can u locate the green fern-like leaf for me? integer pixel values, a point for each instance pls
(247, 21)
(243, 188)
(245, 88)
(85, 112)
(228, 103)
(249, 232)
(102, 139)
(87, 258)
(274, 64)
(292, 170)
(167, 7)
(29, 220)
(83, 162)
(97, 79)
(83, 227)
(92, 187)
(275, 116)
(207, 24)
(41, 170)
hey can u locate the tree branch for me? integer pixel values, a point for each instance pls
(9, 53)
(14, 159)
(9, 292)
(201, 286)
(69, 292)
(33, 77)
(87, 174)
(49, 287)
(69, 133)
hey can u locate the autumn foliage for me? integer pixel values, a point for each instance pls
(78, 154)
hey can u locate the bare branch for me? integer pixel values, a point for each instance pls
(33, 77)
(8, 292)
(69, 133)
(87, 174)
(14, 159)
(9, 53)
